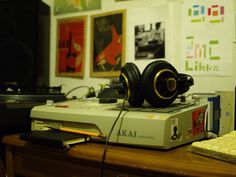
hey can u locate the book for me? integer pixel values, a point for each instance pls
(54, 138)
(214, 105)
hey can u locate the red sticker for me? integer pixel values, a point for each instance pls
(198, 121)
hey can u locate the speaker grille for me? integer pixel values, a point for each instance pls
(24, 40)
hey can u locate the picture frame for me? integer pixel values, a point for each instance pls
(150, 41)
(70, 56)
(107, 43)
(71, 6)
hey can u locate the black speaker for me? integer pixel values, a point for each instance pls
(159, 84)
(24, 45)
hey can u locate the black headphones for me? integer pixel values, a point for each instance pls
(159, 84)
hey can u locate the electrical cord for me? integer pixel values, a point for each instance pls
(76, 89)
(121, 123)
(108, 137)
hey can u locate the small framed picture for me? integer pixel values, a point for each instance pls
(107, 44)
(71, 33)
(150, 41)
(70, 6)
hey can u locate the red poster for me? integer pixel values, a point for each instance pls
(71, 46)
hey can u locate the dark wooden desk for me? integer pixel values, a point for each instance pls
(84, 160)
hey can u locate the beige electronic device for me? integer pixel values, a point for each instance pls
(161, 128)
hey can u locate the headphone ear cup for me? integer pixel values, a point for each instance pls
(159, 83)
(184, 83)
(131, 78)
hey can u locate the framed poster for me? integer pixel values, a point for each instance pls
(107, 44)
(69, 6)
(71, 46)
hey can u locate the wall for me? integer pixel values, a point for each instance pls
(169, 10)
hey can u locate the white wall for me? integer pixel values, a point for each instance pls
(170, 9)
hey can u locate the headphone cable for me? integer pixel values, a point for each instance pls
(108, 137)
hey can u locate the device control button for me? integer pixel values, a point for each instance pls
(50, 103)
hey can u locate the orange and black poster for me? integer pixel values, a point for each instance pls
(71, 46)
(108, 44)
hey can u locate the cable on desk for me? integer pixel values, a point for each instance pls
(108, 137)
(76, 89)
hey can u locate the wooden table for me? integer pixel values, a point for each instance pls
(84, 160)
